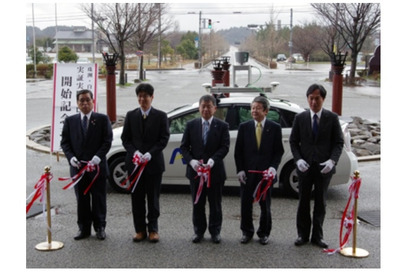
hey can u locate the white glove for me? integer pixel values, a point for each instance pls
(138, 153)
(75, 163)
(95, 160)
(329, 164)
(146, 157)
(194, 164)
(302, 165)
(272, 170)
(210, 163)
(242, 177)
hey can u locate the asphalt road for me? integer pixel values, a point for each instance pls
(175, 250)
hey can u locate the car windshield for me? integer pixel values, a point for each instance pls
(233, 114)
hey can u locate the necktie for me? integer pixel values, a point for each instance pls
(258, 134)
(315, 125)
(205, 132)
(85, 124)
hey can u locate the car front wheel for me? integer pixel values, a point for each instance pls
(118, 174)
(290, 179)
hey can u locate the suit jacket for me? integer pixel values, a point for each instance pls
(152, 138)
(328, 143)
(217, 147)
(247, 155)
(97, 142)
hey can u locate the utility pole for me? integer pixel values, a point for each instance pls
(56, 32)
(92, 30)
(199, 41)
(34, 44)
(159, 36)
(291, 31)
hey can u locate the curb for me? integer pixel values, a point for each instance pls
(44, 149)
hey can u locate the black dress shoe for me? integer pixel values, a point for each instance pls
(245, 239)
(321, 243)
(264, 240)
(82, 235)
(101, 234)
(216, 238)
(300, 241)
(197, 238)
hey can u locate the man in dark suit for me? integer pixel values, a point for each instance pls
(205, 143)
(316, 142)
(252, 153)
(86, 139)
(145, 135)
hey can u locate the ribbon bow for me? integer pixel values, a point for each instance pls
(138, 162)
(267, 177)
(39, 191)
(204, 172)
(89, 167)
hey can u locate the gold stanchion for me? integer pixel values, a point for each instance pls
(49, 245)
(354, 251)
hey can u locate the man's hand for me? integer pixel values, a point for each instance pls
(95, 160)
(146, 157)
(210, 163)
(75, 163)
(194, 164)
(302, 165)
(329, 164)
(242, 177)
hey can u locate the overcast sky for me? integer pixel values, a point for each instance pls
(223, 15)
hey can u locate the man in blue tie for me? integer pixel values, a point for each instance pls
(316, 142)
(146, 134)
(205, 144)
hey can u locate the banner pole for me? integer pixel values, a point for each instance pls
(354, 251)
(49, 245)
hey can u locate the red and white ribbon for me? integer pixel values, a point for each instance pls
(39, 191)
(204, 174)
(138, 162)
(266, 177)
(89, 167)
(347, 220)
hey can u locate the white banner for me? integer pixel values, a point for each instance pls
(68, 79)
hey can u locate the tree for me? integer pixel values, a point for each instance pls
(39, 55)
(124, 24)
(187, 46)
(67, 55)
(149, 27)
(354, 22)
(305, 39)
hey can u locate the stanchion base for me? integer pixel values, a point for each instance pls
(359, 253)
(45, 246)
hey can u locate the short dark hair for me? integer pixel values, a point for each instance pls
(315, 87)
(84, 91)
(263, 100)
(145, 87)
(208, 98)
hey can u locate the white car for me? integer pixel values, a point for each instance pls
(233, 110)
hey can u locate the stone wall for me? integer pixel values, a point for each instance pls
(365, 137)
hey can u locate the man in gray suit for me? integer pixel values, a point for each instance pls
(205, 144)
(316, 142)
